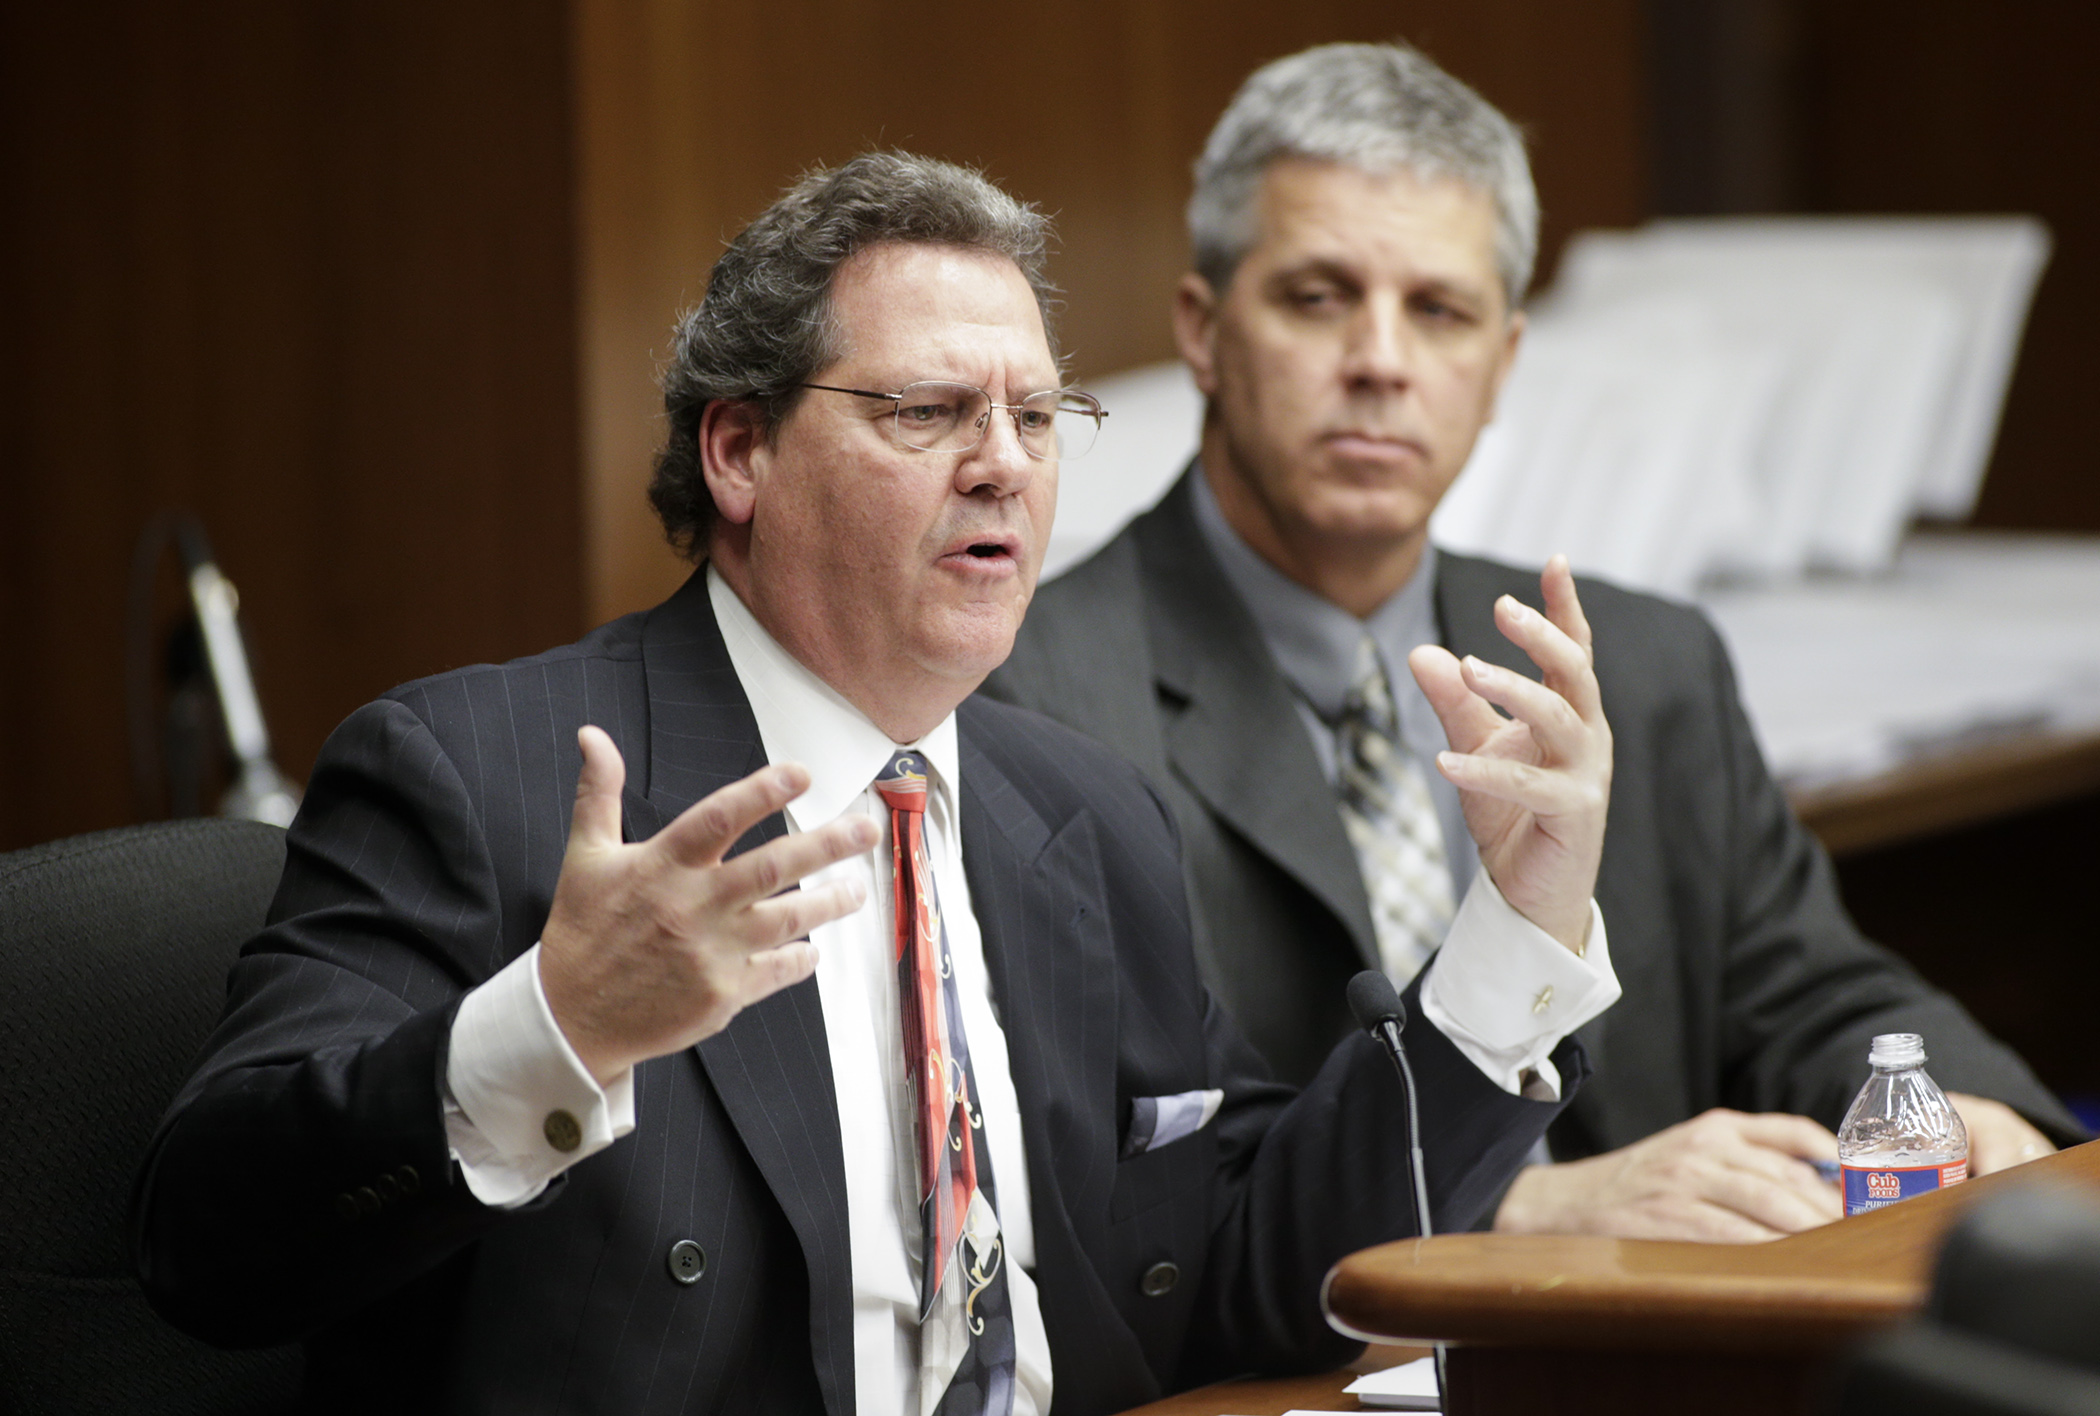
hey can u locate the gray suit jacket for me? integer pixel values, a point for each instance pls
(1745, 983)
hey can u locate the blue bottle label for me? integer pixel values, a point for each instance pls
(1879, 1186)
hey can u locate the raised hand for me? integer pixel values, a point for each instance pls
(1534, 785)
(1721, 1177)
(651, 947)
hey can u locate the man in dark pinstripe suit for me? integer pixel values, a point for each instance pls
(538, 1093)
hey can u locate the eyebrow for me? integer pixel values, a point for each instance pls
(1056, 385)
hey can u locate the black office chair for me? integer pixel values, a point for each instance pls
(113, 956)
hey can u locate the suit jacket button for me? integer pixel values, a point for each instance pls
(409, 1181)
(563, 1132)
(1159, 1280)
(388, 1187)
(346, 1206)
(367, 1200)
(688, 1261)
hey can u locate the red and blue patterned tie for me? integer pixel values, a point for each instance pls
(966, 1330)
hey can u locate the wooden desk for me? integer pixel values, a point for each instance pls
(1951, 789)
(1579, 1325)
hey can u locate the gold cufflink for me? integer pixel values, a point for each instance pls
(563, 1132)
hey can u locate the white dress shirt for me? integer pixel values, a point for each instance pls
(510, 1066)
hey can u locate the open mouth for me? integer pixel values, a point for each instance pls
(996, 547)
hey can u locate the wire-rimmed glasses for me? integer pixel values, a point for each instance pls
(935, 416)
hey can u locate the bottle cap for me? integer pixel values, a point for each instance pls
(1897, 1050)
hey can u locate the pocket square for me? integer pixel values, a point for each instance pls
(1157, 1121)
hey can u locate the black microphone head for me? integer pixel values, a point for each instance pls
(1374, 1001)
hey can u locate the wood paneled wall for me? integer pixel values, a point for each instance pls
(379, 290)
(308, 270)
(695, 116)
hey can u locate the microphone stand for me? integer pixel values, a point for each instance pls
(1378, 1009)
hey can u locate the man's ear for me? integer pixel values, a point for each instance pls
(1512, 339)
(1196, 330)
(733, 456)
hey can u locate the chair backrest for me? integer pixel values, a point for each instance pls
(114, 949)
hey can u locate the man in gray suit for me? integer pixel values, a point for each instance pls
(1363, 229)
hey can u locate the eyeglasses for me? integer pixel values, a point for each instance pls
(952, 417)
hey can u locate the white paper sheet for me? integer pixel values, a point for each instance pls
(1411, 1386)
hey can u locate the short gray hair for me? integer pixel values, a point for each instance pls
(1379, 107)
(765, 324)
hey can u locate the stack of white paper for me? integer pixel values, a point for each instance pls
(1972, 635)
(1841, 375)
(1753, 274)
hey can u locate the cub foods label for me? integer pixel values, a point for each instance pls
(1884, 1185)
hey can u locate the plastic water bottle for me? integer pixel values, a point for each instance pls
(1902, 1136)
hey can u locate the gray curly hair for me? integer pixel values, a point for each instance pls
(765, 324)
(1374, 106)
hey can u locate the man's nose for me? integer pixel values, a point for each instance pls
(998, 462)
(1381, 348)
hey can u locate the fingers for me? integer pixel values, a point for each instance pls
(793, 915)
(770, 970)
(772, 934)
(1776, 1190)
(1544, 793)
(1999, 1137)
(1565, 712)
(1721, 1177)
(1551, 718)
(1708, 1223)
(1562, 659)
(595, 821)
(703, 833)
(1563, 605)
(1756, 1165)
(1791, 1135)
(1467, 718)
(1660, 1188)
(758, 875)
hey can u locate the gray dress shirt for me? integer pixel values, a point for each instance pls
(1313, 641)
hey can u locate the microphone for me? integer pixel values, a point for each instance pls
(261, 792)
(1379, 1012)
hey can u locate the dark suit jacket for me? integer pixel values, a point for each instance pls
(301, 1184)
(1745, 983)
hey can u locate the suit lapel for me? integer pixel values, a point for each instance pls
(1232, 731)
(771, 1067)
(1036, 895)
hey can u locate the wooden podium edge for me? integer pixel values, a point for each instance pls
(1809, 1292)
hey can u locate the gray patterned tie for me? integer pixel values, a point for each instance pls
(1392, 823)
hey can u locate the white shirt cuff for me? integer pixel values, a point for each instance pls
(519, 1106)
(1506, 992)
